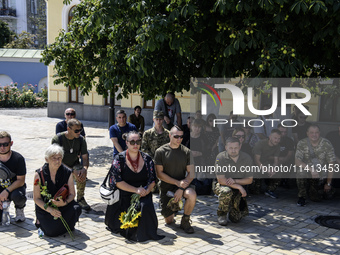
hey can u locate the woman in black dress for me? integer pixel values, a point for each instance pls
(133, 171)
(56, 175)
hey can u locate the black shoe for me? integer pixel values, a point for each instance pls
(301, 201)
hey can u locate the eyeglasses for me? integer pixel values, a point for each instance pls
(133, 142)
(77, 130)
(4, 144)
(239, 136)
(70, 114)
(178, 136)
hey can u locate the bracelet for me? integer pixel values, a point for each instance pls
(7, 190)
(181, 188)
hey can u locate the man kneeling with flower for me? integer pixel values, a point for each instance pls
(56, 214)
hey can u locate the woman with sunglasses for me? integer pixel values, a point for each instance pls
(240, 134)
(133, 172)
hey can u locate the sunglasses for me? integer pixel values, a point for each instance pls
(239, 136)
(133, 142)
(4, 144)
(70, 113)
(77, 130)
(178, 136)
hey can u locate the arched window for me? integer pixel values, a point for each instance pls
(70, 14)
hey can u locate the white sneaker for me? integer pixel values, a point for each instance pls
(20, 216)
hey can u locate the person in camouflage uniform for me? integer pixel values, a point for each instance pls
(155, 137)
(314, 153)
(229, 189)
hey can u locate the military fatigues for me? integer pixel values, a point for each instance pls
(230, 200)
(324, 153)
(152, 141)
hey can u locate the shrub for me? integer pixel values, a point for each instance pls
(12, 96)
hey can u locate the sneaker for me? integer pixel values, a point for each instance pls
(20, 215)
(301, 201)
(83, 204)
(186, 225)
(222, 220)
(270, 194)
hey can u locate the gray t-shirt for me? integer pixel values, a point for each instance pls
(172, 109)
(174, 162)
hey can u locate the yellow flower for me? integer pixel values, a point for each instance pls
(121, 217)
(136, 216)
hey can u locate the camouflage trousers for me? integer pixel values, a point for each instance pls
(272, 184)
(314, 189)
(230, 200)
(80, 189)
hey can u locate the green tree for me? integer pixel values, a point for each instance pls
(154, 46)
(5, 34)
(24, 40)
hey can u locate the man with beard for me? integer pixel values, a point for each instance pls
(13, 188)
(314, 157)
(266, 153)
(229, 188)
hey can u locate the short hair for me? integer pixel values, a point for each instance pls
(314, 126)
(70, 109)
(211, 115)
(126, 136)
(4, 134)
(275, 130)
(121, 111)
(238, 130)
(175, 127)
(73, 122)
(137, 107)
(232, 140)
(280, 125)
(54, 149)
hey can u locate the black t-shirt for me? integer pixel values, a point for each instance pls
(16, 164)
(301, 131)
(286, 145)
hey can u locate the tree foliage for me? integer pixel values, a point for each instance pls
(24, 40)
(155, 46)
(5, 34)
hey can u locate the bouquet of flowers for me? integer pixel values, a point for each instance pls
(129, 219)
(48, 202)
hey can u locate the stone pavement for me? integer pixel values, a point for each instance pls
(274, 226)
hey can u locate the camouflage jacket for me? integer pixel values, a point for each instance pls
(324, 151)
(152, 140)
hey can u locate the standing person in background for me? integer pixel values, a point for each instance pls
(137, 119)
(170, 106)
(61, 126)
(117, 131)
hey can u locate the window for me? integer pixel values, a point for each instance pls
(70, 14)
(117, 102)
(149, 104)
(34, 7)
(329, 109)
(75, 96)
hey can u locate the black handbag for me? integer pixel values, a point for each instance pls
(5, 173)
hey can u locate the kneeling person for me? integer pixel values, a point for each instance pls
(231, 194)
(74, 146)
(173, 166)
